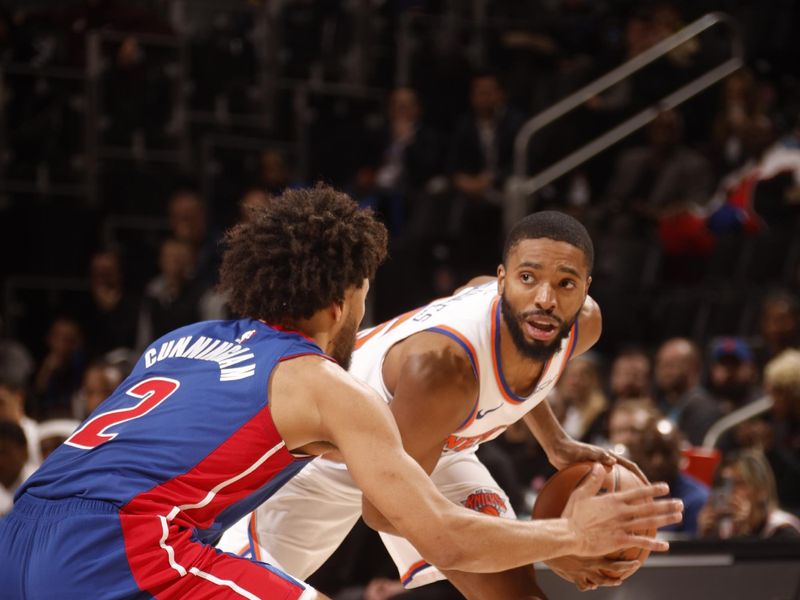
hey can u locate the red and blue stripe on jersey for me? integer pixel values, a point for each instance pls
(203, 457)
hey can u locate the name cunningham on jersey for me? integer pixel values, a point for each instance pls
(225, 354)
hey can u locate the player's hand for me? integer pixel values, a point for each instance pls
(568, 451)
(603, 524)
(591, 573)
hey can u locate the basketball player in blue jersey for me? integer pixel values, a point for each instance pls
(216, 416)
(456, 373)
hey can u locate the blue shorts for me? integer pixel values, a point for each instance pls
(77, 549)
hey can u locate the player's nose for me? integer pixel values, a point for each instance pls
(545, 297)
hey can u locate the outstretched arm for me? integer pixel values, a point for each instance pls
(333, 407)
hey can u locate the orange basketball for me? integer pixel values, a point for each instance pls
(553, 498)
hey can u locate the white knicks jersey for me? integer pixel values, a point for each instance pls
(472, 319)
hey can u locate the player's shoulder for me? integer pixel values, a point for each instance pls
(463, 312)
(588, 327)
(434, 360)
(316, 374)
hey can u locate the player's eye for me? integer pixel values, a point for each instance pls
(526, 277)
(567, 284)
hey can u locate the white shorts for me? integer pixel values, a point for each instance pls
(299, 527)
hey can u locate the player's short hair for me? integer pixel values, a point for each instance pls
(553, 225)
(299, 253)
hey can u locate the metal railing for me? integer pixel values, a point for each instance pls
(520, 188)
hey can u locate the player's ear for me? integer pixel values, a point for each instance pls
(588, 283)
(337, 311)
(501, 279)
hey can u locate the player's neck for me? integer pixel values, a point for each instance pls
(319, 328)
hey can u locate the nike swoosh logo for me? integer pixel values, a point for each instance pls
(483, 413)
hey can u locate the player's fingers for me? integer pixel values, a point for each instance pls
(654, 522)
(642, 493)
(605, 457)
(605, 580)
(658, 507)
(632, 466)
(642, 541)
(614, 569)
(592, 483)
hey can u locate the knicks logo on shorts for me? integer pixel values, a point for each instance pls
(487, 502)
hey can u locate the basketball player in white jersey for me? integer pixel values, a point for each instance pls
(456, 373)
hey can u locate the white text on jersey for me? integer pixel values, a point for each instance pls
(225, 354)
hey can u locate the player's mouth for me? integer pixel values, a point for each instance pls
(543, 329)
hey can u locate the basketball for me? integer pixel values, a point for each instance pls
(553, 498)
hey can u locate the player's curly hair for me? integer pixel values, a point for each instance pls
(299, 254)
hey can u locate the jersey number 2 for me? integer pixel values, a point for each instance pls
(152, 392)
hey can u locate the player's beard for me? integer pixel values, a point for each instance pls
(534, 349)
(344, 342)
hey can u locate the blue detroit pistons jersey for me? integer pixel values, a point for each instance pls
(188, 434)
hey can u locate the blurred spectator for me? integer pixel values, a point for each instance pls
(630, 375)
(101, 378)
(137, 120)
(732, 373)
(16, 364)
(60, 372)
(739, 103)
(744, 502)
(14, 469)
(188, 223)
(80, 17)
(55, 432)
(113, 311)
(580, 402)
(481, 158)
(410, 151)
(777, 433)
(407, 154)
(12, 408)
(679, 393)
(661, 179)
(657, 450)
(627, 420)
(171, 300)
(779, 325)
(482, 148)
(274, 173)
(252, 200)
(764, 190)
(645, 26)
